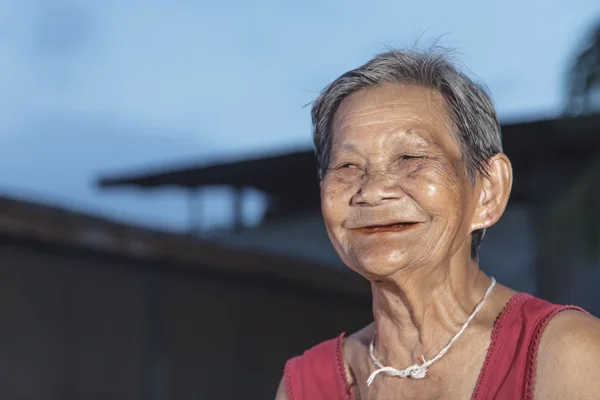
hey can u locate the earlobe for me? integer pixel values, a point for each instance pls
(494, 191)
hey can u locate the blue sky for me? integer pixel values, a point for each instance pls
(92, 87)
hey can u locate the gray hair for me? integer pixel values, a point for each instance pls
(475, 122)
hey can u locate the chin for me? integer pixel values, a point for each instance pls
(380, 264)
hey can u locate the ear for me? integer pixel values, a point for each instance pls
(493, 191)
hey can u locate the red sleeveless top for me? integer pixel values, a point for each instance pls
(508, 371)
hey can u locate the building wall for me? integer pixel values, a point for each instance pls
(71, 328)
(86, 325)
(302, 236)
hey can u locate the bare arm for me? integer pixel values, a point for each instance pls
(568, 364)
(281, 391)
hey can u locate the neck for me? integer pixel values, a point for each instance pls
(417, 312)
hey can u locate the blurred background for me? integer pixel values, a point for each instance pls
(160, 232)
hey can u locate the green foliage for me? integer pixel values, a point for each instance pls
(570, 227)
(584, 75)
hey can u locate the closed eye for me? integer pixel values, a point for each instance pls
(347, 165)
(407, 157)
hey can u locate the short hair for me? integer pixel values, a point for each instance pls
(473, 116)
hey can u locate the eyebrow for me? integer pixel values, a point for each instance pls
(347, 148)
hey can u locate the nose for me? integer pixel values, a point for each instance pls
(377, 190)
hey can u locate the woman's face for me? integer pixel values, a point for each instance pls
(396, 194)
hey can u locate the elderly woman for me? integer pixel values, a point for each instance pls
(412, 174)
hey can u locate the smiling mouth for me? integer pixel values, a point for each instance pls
(395, 227)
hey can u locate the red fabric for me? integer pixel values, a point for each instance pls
(318, 374)
(508, 372)
(509, 369)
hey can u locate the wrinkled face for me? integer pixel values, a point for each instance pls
(396, 194)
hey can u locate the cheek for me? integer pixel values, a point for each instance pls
(333, 200)
(337, 192)
(436, 187)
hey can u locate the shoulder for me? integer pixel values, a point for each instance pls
(361, 338)
(572, 336)
(567, 362)
(356, 350)
(281, 395)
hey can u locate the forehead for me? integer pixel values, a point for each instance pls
(394, 112)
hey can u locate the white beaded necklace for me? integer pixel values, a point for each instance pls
(419, 371)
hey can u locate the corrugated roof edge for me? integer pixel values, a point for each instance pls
(55, 225)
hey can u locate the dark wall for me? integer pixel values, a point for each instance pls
(85, 325)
